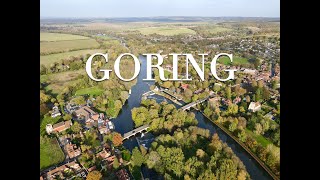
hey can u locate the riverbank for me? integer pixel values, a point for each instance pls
(261, 163)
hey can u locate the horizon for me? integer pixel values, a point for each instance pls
(146, 8)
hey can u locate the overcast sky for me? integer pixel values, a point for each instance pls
(149, 8)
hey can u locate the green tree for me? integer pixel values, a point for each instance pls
(76, 127)
(137, 158)
(94, 175)
(116, 163)
(228, 92)
(258, 128)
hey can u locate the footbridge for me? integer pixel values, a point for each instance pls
(135, 131)
(188, 106)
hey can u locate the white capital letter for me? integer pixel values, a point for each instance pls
(150, 66)
(195, 65)
(136, 66)
(88, 67)
(213, 67)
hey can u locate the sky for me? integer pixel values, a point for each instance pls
(152, 8)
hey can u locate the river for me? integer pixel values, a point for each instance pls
(124, 123)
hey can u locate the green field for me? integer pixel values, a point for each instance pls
(166, 31)
(236, 60)
(59, 37)
(50, 152)
(259, 138)
(92, 91)
(64, 46)
(51, 58)
(217, 29)
(58, 81)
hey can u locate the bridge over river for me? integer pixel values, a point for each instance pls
(135, 131)
(188, 106)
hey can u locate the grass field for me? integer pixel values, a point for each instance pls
(166, 31)
(259, 138)
(92, 91)
(58, 81)
(51, 58)
(59, 37)
(50, 153)
(236, 60)
(64, 46)
(217, 29)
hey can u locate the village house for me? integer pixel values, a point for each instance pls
(254, 106)
(184, 86)
(70, 108)
(87, 116)
(55, 112)
(236, 100)
(61, 171)
(249, 71)
(104, 154)
(59, 127)
(72, 150)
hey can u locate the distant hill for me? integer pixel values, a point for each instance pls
(155, 19)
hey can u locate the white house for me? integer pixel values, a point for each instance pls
(254, 106)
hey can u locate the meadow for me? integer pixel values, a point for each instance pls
(59, 37)
(58, 81)
(64, 46)
(218, 29)
(236, 60)
(166, 31)
(50, 152)
(51, 58)
(91, 91)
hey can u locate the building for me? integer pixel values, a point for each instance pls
(249, 71)
(72, 150)
(254, 106)
(59, 127)
(236, 100)
(122, 174)
(184, 86)
(86, 113)
(62, 171)
(55, 112)
(104, 154)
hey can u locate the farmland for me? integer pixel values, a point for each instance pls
(59, 37)
(58, 81)
(217, 29)
(50, 152)
(64, 46)
(51, 58)
(166, 31)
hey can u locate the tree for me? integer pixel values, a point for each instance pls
(116, 163)
(188, 93)
(215, 143)
(228, 92)
(94, 175)
(260, 84)
(67, 117)
(137, 158)
(258, 94)
(167, 84)
(124, 96)
(76, 127)
(248, 98)
(117, 139)
(216, 87)
(258, 129)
